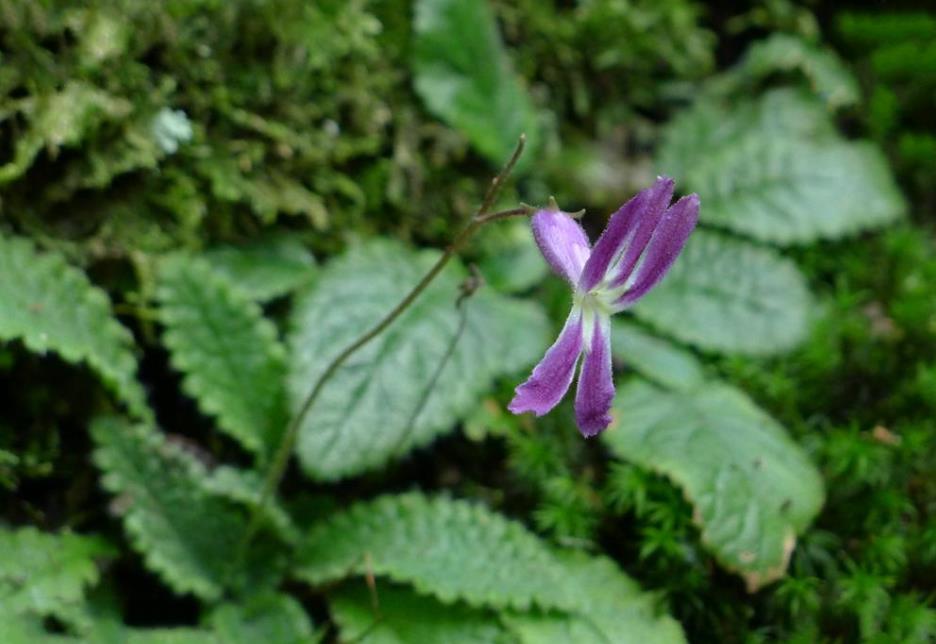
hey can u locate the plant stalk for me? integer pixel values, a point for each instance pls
(288, 442)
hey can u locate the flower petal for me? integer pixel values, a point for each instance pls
(626, 235)
(562, 242)
(552, 376)
(595, 391)
(667, 242)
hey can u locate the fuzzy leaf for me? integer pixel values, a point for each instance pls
(455, 550)
(775, 169)
(754, 489)
(51, 306)
(611, 608)
(46, 574)
(690, 138)
(403, 617)
(727, 295)
(654, 357)
(781, 190)
(266, 268)
(234, 365)
(185, 534)
(422, 541)
(485, 102)
(269, 617)
(363, 417)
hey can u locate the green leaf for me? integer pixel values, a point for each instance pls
(51, 306)
(403, 617)
(828, 76)
(727, 295)
(610, 608)
(266, 268)
(556, 628)
(654, 357)
(234, 365)
(455, 550)
(511, 261)
(775, 169)
(365, 414)
(184, 533)
(246, 487)
(270, 617)
(425, 541)
(778, 189)
(465, 77)
(753, 489)
(45, 574)
(710, 124)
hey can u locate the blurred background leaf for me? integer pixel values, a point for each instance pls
(462, 72)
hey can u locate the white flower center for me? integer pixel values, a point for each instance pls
(597, 301)
(595, 305)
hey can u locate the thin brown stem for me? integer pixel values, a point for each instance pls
(288, 441)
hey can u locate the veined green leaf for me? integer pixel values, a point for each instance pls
(378, 405)
(186, 535)
(711, 124)
(728, 295)
(611, 608)
(51, 306)
(464, 76)
(782, 190)
(753, 489)
(234, 365)
(775, 169)
(266, 268)
(403, 617)
(424, 541)
(458, 551)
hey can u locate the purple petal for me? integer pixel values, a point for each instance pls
(595, 391)
(562, 242)
(552, 376)
(626, 234)
(664, 247)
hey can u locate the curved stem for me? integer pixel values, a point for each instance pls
(288, 441)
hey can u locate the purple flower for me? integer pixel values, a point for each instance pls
(640, 243)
